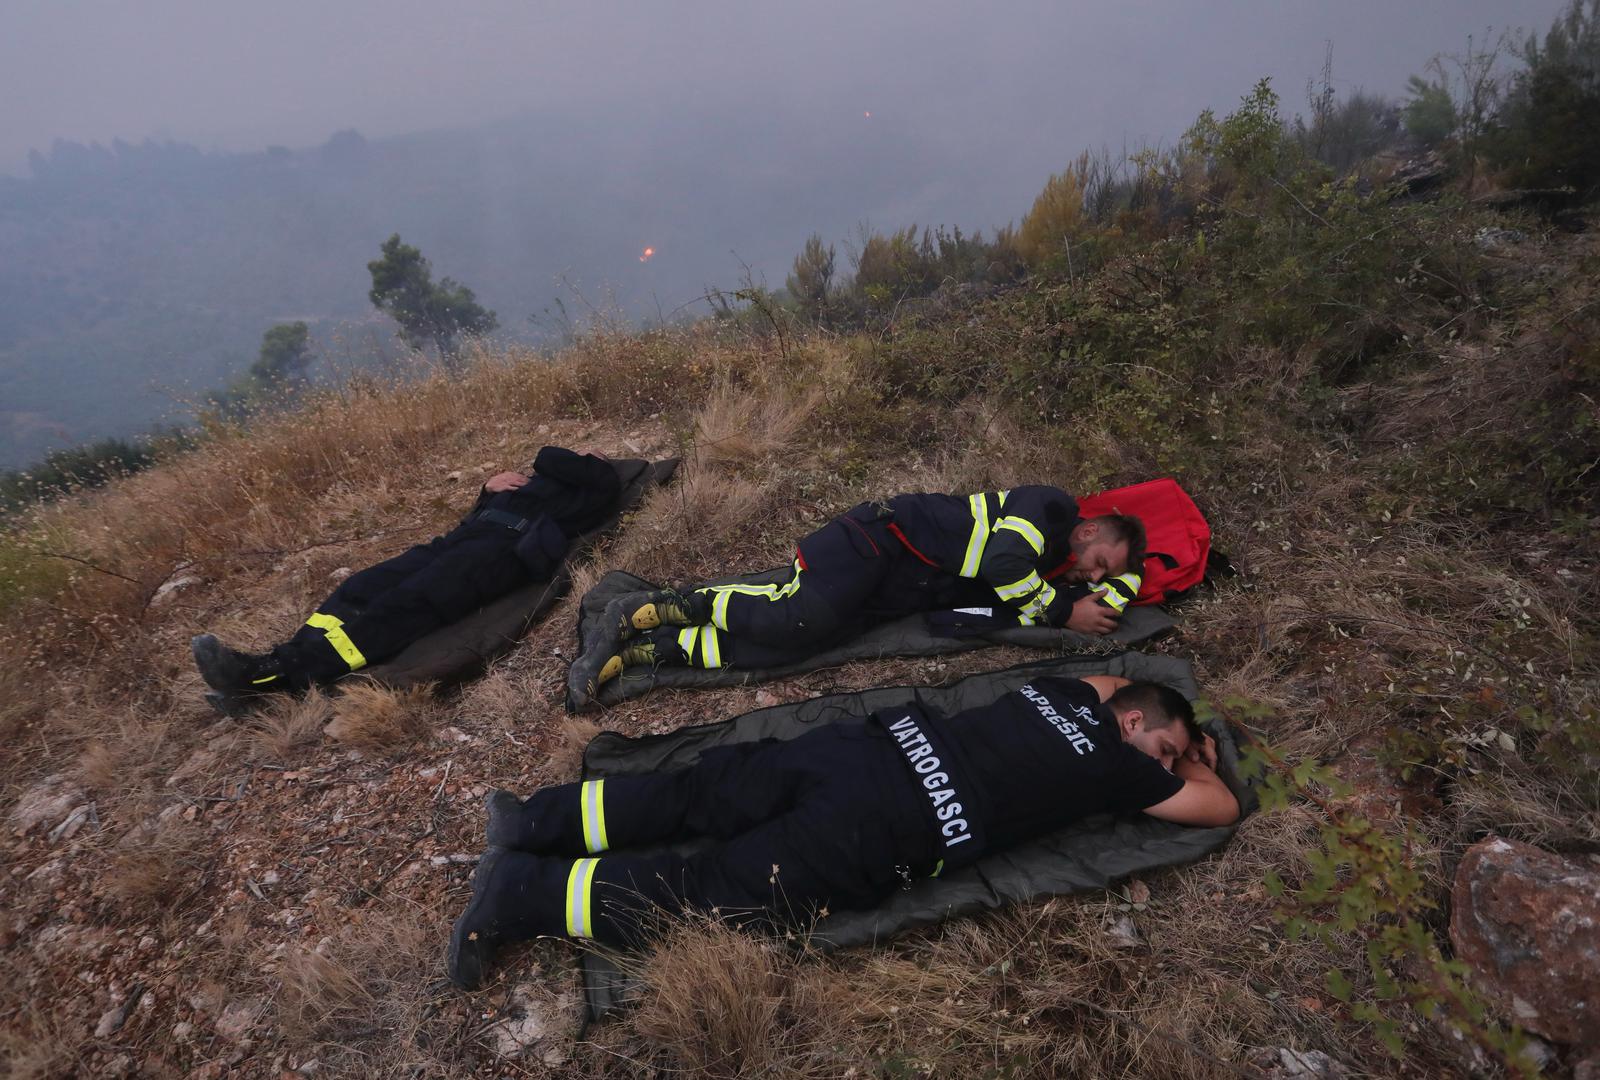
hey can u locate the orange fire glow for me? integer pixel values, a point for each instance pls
(647, 253)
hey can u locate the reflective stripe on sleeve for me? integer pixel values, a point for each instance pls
(580, 907)
(1118, 592)
(1019, 588)
(591, 797)
(980, 535)
(1024, 528)
(1040, 602)
(333, 627)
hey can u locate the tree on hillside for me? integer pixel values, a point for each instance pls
(812, 278)
(285, 355)
(403, 287)
(1547, 132)
(1055, 222)
(1430, 115)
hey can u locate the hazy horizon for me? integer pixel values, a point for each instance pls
(534, 153)
(235, 77)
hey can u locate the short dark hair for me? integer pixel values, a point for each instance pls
(1162, 706)
(1125, 528)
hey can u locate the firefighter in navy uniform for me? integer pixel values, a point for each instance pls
(517, 532)
(1002, 550)
(841, 816)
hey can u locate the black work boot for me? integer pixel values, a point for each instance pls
(670, 608)
(233, 672)
(505, 908)
(508, 825)
(655, 648)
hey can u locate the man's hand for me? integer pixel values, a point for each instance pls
(1203, 752)
(506, 481)
(1090, 616)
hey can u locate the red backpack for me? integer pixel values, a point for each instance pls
(1178, 541)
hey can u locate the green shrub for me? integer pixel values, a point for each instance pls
(1547, 131)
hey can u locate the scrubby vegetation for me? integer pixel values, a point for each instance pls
(1386, 404)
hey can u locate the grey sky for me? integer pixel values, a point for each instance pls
(1033, 80)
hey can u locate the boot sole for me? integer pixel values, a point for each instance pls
(646, 617)
(464, 937)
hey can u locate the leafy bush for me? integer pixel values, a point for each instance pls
(1547, 132)
(88, 466)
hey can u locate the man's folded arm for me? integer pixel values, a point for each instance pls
(1203, 800)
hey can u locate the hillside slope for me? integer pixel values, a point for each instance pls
(272, 897)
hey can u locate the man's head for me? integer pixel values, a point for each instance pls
(1156, 720)
(1106, 546)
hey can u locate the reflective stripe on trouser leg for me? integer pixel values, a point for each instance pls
(333, 628)
(591, 797)
(706, 640)
(721, 594)
(580, 898)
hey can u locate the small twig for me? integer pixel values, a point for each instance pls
(446, 779)
(90, 565)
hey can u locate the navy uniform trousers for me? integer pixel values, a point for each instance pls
(830, 818)
(376, 613)
(849, 575)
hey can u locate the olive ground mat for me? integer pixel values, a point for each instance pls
(458, 652)
(910, 636)
(1090, 854)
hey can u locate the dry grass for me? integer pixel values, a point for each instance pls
(1337, 605)
(289, 725)
(361, 1001)
(373, 717)
(156, 869)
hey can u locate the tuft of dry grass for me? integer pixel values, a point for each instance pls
(715, 1001)
(288, 725)
(373, 717)
(363, 1001)
(156, 869)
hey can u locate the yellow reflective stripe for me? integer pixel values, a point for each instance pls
(980, 535)
(1024, 528)
(1003, 495)
(721, 594)
(719, 608)
(1021, 587)
(333, 627)
(688, 637)
(591, 797)
(1040, 601)
(711, 647)
(580, 910)
(1116, 593)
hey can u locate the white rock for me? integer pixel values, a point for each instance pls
(528, 1020)
(1123, 933)
(340, 574)
(172, 585)
(110, 1023)
(48, 874)
(1307, 1065)
(74, 821)
(181, 1031)
(237, 1019)
(47, 803)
